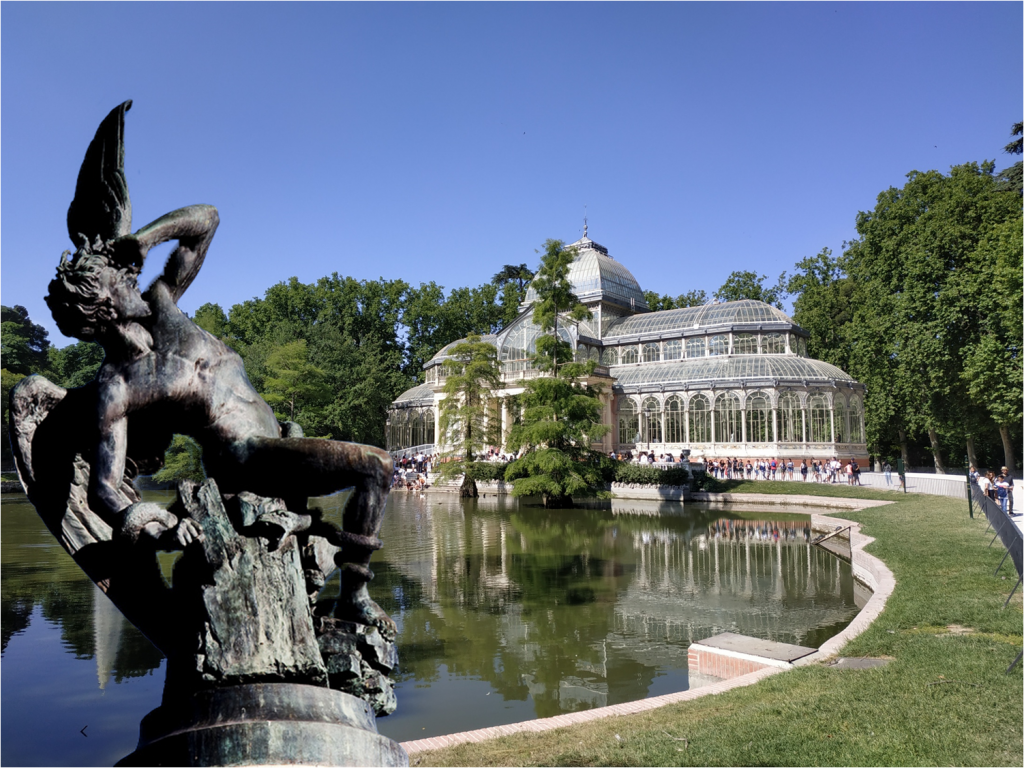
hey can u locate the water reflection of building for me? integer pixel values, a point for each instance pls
(587, 608)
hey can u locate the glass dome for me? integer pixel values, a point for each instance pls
(596, 276)
(445, 352)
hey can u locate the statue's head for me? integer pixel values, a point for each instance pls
(90, 295)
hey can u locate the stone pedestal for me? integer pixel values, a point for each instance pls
(265, 724)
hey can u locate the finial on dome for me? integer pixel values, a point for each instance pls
(584, 221)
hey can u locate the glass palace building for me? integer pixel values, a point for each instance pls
(729, 379)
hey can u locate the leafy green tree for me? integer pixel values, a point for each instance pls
(183, 460)
(434, 320)
(748, 285)
(293, 382)
(211, 318)
(472, 373)
(1012, 178)
(992, 365)
(76, 364)
(561, 414)
(352, 332)
(23, 344)
(657, 303)
(926, 295)
(824, 306)
(561, 418)
(555, 298)
(520, 275)
(9, 380)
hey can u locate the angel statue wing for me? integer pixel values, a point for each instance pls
(102, 209)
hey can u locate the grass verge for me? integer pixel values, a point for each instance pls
(944, 699)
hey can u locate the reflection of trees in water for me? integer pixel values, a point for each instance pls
(582, 608)
(36, 571)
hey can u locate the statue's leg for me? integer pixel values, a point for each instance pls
(288, 467)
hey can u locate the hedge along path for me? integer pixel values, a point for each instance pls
(944, 699)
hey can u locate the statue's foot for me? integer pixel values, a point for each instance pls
(357, 606)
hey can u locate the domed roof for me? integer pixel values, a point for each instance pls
(597, 276)
(771, 370)
(729, 313)
(445, 353)
(421, 394)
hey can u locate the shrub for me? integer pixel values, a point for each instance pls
(639, 474)
(487, 471)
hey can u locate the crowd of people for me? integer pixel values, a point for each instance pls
(645, 457)
(815, 471)
(413, 472)
(999, 488)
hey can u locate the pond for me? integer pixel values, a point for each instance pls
(506, 612)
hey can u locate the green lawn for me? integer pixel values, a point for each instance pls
(944, 699)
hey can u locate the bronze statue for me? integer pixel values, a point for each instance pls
(78, 450)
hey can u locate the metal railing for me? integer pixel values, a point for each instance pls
(1009, 534)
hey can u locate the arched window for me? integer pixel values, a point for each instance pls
(674, 420)
(773, 343)
(673, 349)
(695, 347)
(582, 352)
(700, 419)
(652, 353)
(610, 356)
(594, 354)
(718, 345)
(791, 428)
(629, 421)
(728, 428)
(744, 344)
(817, 411)
(629, 355)
(651, 421)
(801, 348)
(839, 420)
(759, 426)
(416, 427)
(856, 420)
(390, 432)
(429, 422)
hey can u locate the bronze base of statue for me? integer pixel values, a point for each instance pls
(265, 724)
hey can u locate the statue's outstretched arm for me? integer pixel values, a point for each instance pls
(108, 468)
(193, 227)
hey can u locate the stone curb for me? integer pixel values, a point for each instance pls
(867, 568)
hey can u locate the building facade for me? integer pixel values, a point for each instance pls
(729, 379)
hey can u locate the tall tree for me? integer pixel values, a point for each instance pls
(824, 306)
(1012, 178)
(657, 303)
(76, 364)
(560, 420)
(748, 285)
(23, 344)
(555, 298)
(466, 426)
(293, 382)
(919, 307)
(561, 413)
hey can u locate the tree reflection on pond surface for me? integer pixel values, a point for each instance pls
(506, 612)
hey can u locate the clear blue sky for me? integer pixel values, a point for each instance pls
(441, 141)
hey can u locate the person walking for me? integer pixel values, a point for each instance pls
(887, 470)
